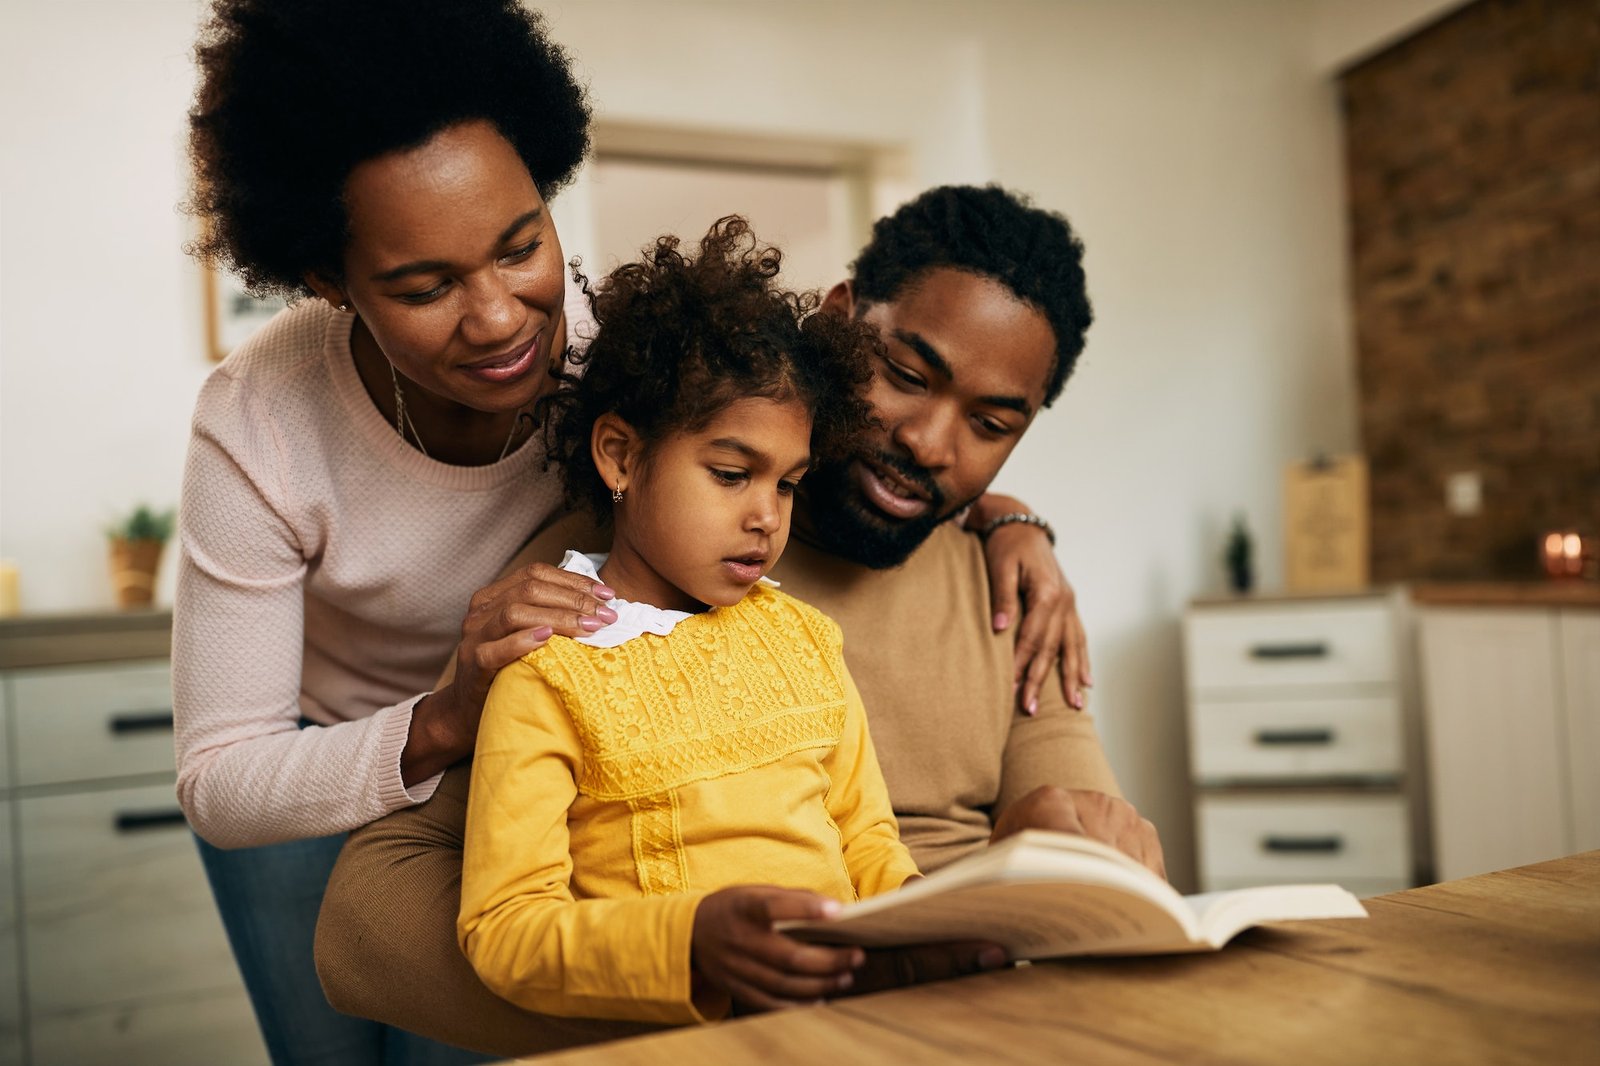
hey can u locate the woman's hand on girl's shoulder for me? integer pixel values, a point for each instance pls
(1023, 570)
(736, 950)
(505, 621)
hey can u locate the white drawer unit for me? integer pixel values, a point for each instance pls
(1291, 646)
(10, 973)
(1269, 740)
(1342, 838)
(111, 949)
(1302, 745)
(85, 723)
(11, 1041)
(114, 901)
(5, 738)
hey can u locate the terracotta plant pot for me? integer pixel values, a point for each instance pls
(133, 570)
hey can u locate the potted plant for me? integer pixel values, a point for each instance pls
(136, 544)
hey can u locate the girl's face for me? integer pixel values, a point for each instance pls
(454, 268)
(707, 513)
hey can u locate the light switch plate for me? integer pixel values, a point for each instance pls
(1463, 493)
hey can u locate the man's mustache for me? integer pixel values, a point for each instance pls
(915, 474)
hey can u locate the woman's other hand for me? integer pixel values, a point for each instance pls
(736, 950)
(1028, 588)
(505, 621)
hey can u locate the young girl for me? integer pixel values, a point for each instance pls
(710, 737)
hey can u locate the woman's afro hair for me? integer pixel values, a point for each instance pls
(992, 233)
(681, 337)
(295, 93)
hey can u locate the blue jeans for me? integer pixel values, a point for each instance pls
(269, 898)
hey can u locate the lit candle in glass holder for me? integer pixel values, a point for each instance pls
(1563, 554)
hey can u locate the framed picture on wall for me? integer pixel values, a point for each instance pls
(232, 314)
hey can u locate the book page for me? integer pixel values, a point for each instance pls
(1224, 915)
(1031, 919)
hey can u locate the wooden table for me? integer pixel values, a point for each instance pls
(1502, 968)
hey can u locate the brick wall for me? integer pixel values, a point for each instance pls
(1473, 153)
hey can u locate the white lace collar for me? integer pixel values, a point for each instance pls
(633, 619)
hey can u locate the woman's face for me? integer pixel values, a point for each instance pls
(454, 267)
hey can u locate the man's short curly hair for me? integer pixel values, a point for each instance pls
(682, 337)
(295, 93)
(993, 233)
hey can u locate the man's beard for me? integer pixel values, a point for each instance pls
(842, 523)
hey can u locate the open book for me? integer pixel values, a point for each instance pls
(1041, 895)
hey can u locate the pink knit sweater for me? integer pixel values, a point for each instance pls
(325, 568)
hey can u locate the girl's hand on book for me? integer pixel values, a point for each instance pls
(1095, 815)
(899, 967)
(736, 950)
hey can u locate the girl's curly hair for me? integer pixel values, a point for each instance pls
(294, 94)
(681, 337)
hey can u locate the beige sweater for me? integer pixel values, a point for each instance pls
(324, 570)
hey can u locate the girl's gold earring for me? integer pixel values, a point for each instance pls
(616, 494)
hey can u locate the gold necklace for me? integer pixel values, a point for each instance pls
(402, 420)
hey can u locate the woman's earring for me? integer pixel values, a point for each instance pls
(616, 494)
(344, 306)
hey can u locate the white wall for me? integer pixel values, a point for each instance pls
(635, 200)
(101, 339)
(1194, 145)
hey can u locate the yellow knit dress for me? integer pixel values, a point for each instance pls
(613, 788)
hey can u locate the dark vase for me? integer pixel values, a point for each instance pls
(1239, 558)
(1241, 577)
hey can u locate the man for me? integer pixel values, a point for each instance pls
(980, 302)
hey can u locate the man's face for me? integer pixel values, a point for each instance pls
(963, 373)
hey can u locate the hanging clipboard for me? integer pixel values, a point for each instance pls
(1326, 525)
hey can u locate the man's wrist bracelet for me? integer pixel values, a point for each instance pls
(1024, 518)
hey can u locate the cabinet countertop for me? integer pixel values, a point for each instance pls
(1282, 597)
(84, 637)
(1507, 593)
(1573, 593)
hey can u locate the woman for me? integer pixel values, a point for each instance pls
(361, 470)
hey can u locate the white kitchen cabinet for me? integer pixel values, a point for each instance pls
(1349, 838)
(1513, 713)
(93, 722)
(5, 739)
(116, 903)
(112, 951)
(11, 1046)
(1580, 688)
(1302, 747)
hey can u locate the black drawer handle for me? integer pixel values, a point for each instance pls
(139, 821)
(1315, 650)
(1299, 845)
(1294, 736)
(142, 722)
